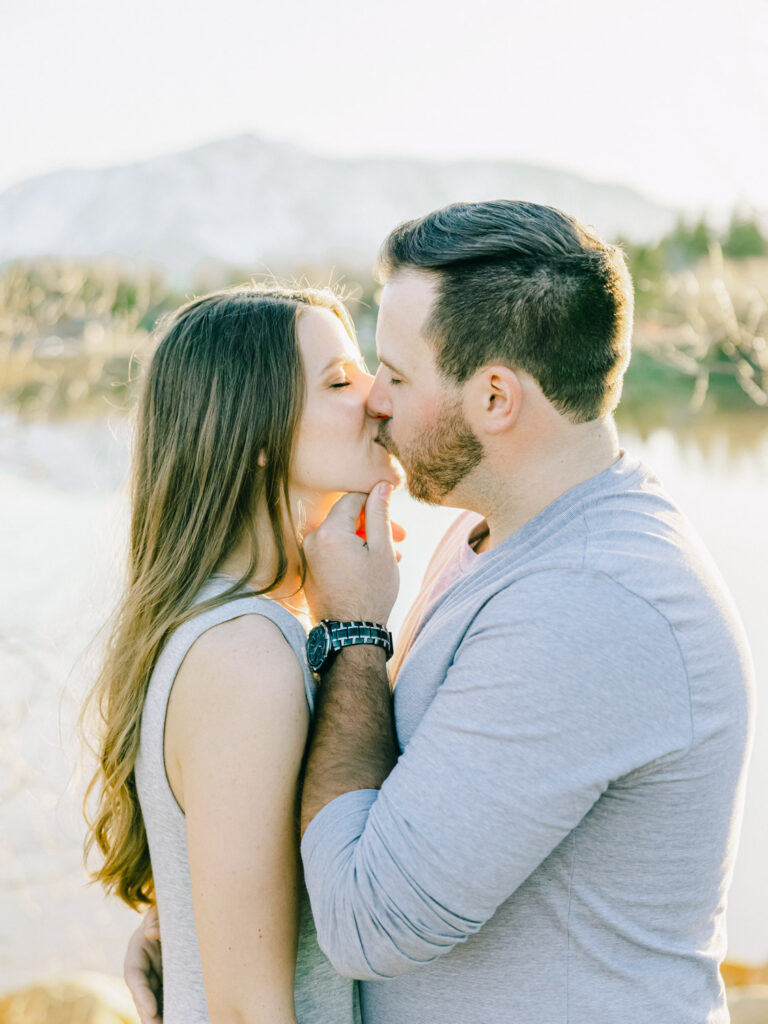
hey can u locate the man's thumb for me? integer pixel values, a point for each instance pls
(377, 528)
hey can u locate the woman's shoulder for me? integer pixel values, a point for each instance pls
(224, 613)
(249, 651)
(244, 657)
(241, 601)
(239, 687)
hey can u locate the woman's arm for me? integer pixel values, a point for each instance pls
(235, 735)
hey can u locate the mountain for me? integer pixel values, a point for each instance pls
(253, 203)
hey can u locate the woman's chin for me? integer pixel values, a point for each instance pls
(362, 480)
(387, 469)
(391, 472)
(365, 484)
(397, 474)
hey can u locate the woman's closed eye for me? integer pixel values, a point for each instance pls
(341, 384)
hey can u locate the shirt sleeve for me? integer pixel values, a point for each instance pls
(562, 684)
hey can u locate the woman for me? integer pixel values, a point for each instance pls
(251, 425)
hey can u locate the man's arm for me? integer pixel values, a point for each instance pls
(544, 706)
(353, 741)
(353, 744)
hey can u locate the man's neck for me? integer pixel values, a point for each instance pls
(544, 476)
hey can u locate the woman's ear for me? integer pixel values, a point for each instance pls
(262, 459)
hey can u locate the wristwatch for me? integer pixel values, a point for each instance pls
(329, 636)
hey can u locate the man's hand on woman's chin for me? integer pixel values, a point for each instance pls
(348, 578)
(143, 969)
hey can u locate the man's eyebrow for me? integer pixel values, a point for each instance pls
(389, 366)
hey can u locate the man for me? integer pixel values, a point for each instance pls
(551, 832)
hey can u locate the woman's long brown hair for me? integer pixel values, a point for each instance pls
(225, 384)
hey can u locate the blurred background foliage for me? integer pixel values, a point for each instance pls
(73, 336)
(701, 319)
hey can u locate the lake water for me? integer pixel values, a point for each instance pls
(62, 519)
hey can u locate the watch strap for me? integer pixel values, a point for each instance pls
(347, 634)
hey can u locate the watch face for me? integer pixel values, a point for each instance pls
(318, 646)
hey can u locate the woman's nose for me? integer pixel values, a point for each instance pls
(364, 390)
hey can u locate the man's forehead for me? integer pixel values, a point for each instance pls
(408, 297)
(406, 304)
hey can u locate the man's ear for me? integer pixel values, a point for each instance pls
(498, 397)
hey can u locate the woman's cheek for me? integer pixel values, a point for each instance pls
(349, 418)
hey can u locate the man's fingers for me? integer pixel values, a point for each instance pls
(350, 512)
(143, 997)
(150, 923)
(377, 526)
(398, 531)
(143, 968)
(346, 512)
(146, 1007)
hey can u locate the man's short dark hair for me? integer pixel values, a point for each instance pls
(527, 286)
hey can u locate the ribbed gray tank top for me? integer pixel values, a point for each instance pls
(322, 996)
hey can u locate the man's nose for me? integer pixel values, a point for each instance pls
(378, 403)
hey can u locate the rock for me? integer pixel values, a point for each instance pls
(749, 1005)
(85, 998)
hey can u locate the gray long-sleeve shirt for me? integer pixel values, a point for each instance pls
(556, 840)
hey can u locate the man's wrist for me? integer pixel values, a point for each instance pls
(341, 614)
(367, 655)
(329, 637)
(363, 657)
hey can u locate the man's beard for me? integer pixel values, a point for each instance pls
(438, 459)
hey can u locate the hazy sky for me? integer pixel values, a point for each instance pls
(668, 95)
